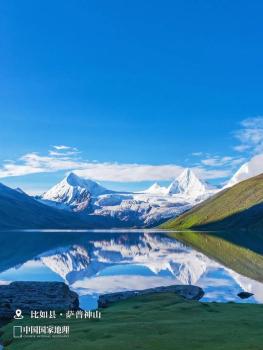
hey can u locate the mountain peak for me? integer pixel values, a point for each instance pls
(186, 174)
(72, 176)
(74, 191)
(188, 184)
(74, 180)
(240, 202)
(156, 189)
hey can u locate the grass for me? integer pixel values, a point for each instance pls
(239, 207)
(154, 322)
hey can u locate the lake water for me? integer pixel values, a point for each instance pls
(98, 262)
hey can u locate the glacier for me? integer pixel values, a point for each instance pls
(137, 209)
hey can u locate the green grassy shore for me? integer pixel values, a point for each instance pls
(155, 322)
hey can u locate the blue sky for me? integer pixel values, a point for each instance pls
(128, 84)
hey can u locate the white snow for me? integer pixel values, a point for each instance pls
(251, 168)
(144, 208)
(74, 192)
(156, 189)
(187, 184)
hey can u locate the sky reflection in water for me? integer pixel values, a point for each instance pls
(95, 263)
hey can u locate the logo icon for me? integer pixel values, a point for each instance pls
(17, 332)
(18, 315)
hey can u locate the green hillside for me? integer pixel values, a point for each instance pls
(238, 207)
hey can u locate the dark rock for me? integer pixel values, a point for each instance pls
(28, 296)
(244, 295)
(188, 292)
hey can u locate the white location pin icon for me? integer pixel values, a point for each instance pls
(18, 314)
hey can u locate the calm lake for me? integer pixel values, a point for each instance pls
(98, 262)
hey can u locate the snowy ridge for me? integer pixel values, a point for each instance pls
(74, 192)
(252, 168)
(187, 184)
(156, 189)
(146, 208)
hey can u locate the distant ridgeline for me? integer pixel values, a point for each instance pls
(76, 202)
(189, 202)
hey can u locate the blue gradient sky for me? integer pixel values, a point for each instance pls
(143, 82)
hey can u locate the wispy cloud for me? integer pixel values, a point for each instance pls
(33, 163)
(250, 135)
(64, 151)
(209, 174)
(217, 161)
(62, 147)
(197, 154)
(142, 172)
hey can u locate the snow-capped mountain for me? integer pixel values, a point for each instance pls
(156, 189)
(74, 192)
(21, 211)
(146, 208)
(189, 185)
(251, 168)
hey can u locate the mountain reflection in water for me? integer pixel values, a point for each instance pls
(94, 263)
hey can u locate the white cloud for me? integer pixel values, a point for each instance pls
(222, 161)
(62, 147)
(209, 174)
(256, 122)
(241, 148)
(197, 154)
(250, 135)
(32, 163)
(129, 172)
(142, 172)
(63, 151)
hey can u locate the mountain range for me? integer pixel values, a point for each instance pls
(83, 203)
(136, 209)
